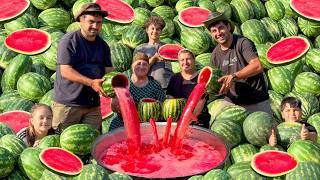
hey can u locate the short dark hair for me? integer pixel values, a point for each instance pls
(156, 20)
(217, 22)
(292, 101)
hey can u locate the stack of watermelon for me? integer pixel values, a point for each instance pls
(285, 32)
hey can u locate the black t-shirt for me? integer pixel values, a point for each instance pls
(245, 91)
(86, 57)
(180, 88)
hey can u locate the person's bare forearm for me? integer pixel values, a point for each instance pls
(71, 74)
(253, 68)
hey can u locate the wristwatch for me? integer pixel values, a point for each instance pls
(234, 76)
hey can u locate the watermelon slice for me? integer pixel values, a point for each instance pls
(17, 120)
(273, 163)
(61, 161)
(287, 49)
(309, 9)
(118, 11)
(28, 41)
(12, 8)
(105, 107)
(205, 75)
(194, 16)
(170, 51)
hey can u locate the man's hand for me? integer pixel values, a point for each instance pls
(226, 81)
(273, 138)
(304, 132)
(96, 86)
(156, 57)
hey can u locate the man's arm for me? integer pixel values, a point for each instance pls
(253, 68)
(71, 74)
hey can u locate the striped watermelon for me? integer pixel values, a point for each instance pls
(33, 86)
(134, 36)
(165, 12)
(50, 141)
(47, 98)
(288, 26)
(13, 144)
(287, 133)
(141, 16)
(314, 120)
(55, 17)
(92, 172)
(183, 4)
(22, 22)
(78, 138)
(195, 40)
(305, 150)
(269, 147)
(256, 127)
(5, 129)
(149, 108)
(234, 113)
(7, 162)
(275, 103)
(255, 31)
(242, 10)
(30, 163)
(18, 104)
(168, 31)
(43, 4)
(243, 153)
(262, 50)
(310, 104)
(217, 174)
(313, 59)
(106, 85)
(275, 9)
(305, 170)
(121, 56)
(307, 82)
(259, 9)
(173, 108)
(229, 130)
(281, 80)
(243, 170)
(273, 29)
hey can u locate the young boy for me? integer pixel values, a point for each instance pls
(291, 112)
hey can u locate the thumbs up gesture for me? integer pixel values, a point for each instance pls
(304, 132)
(273, 138)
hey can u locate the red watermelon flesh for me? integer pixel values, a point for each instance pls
(194, 16)
(28, 41)
(105, 106)
(118, 11)
(16, 120)
(287, 49)
(12, 8)
(307, 8)
(170, 51)
(61, 160)
(273, 163)
(205, 75)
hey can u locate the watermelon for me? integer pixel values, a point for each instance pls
(17, 120)
(306, 170)
(13, 144)
(275, 9)
(118, 11)
(7, 162)
(280, 79)
(165, 12)
(314, 120)
(106, 85)
(5, 129)
(105, 106)
(78, 138)
(57, 18)
(217, 174)
(273, 163)
(28, 41)
(12, 8)
(173, 108)
(194, 16)
(287, 49)
(243, 152)
(30, 163)
(141, 16)
(121, 56)
(307, 82)
(310, 10)
(92, 172)
(170, 51)
(313, 59)
(61, 160)
(50, 141)
(134, 36)
(269, 147)
(287, 133)
(229, 130)
(305, 150)
(149, 108)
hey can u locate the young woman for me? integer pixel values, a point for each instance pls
(159, 69)
(141, 86)
(40, 125)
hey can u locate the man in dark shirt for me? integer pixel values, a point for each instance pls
(243, 82)
(83, 59)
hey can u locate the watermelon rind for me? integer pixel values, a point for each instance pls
(187, 9)
(59, 171)
(129, 20)
(270, 174)
(305, 5)
(32, 52)
(18, 13)
(166, 57)
(289, 59)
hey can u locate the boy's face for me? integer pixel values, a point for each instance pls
(291, 114)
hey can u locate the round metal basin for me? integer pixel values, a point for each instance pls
(104, 141)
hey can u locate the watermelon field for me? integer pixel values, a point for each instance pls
(287, 37)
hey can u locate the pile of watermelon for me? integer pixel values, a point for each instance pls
(285, 32)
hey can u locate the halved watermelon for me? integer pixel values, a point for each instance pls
(273, 163)
(118, 11)
(194, 16)
(17, 120)
(170, 51)
(12, 8)
(105, 106)
(287, 49)
(28, 41)
(309, 9)
(205, 75)
(61, 160)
